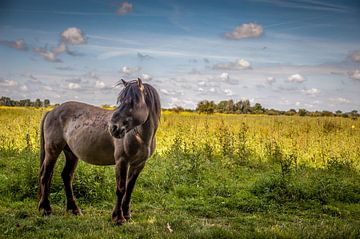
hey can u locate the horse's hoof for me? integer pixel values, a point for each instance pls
(45, 209)
(119, 221)
(77, 212)
(45, 212)
(128, 217)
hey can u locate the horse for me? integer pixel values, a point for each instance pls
(124, 137)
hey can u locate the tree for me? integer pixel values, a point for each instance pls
(205, 106)
(290, 112)
(257, 109)
(246, 107)
(302, 112)
(229, 106)
(221, 106)
(46, 102)
(38, 103)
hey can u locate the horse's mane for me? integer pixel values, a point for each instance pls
(132, 92)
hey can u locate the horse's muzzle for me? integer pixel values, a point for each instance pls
(116, 131)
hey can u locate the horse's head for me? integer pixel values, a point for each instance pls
(132, 110)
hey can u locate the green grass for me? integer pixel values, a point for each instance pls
(247, 201)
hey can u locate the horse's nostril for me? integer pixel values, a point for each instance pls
(113, 128)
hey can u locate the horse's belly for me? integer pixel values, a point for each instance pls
(99, 158)
(93, 149)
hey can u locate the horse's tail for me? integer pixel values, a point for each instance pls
(42, 150)
(42, 141)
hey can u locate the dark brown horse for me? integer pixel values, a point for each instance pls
(124, 137)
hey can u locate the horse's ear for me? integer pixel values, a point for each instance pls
(124, 82)
(140, 84)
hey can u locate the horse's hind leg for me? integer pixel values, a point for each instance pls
(46, 172)
(67, 175)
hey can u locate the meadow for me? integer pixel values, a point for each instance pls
(212, 176)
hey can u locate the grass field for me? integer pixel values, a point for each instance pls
(212, 176)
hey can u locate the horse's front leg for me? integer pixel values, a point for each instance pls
(121, 169)
(134, 172)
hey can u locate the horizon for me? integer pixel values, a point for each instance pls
(283, 55)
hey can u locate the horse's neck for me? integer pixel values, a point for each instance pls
(147, 131)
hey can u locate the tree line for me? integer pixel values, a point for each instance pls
(244, 107)
(7, 101)
(208, 107)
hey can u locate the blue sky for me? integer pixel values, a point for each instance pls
(282, 54)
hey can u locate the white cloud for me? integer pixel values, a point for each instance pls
(201, 89)
(70, 36)
(73, 86)
(130, 70)
(73, 35)
(8, 82)
(311, 91)
(355, 75)
(246, 30)
(224, 76)
(146, 77)
(228, 92)
(124, 8)
(165, 92)
(202, 83)
(355, 56)
(100, 84)
(24, 88)
(144, 57)
(270, 80)
(342, 100)
(47, 54)
(240, 64)
(45, 87)
(187, 103)
(59, 49)
(16, 44)
(296, 78)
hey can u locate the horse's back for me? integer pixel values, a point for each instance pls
(83, 128)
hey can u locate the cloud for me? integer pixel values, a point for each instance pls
(341, 100)
(166, 92)
(355, 56)
(73, 35)
(224, 76)
(124, 8)
(311, 91)
(100, 84)
(270, 80)
(24, 88)
(144, 57)
(18, 44)
(240, 64)
(297, 78)
(146, 77)
(7, 82)
(70, 36)
(130, 70)
(228, 92)
(73, 86)
(246, 30)
(355, 75)
(46, 54)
